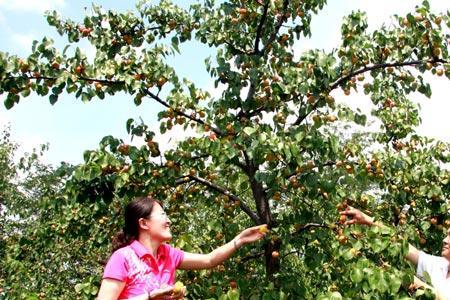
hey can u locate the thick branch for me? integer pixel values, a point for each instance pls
(234, 49)
(179, 112)
(281, 20)
(347, 77)
(260, 26)
(341, 80)
(262, 205)
(327, 164)
(223, 191)
(104, 81)
(312, 225)
(253, 256)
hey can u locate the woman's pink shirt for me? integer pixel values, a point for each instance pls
(140, 270)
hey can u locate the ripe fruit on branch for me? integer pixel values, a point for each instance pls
(234, 21)
(349, 169)
(161, 81)
(438, 20)
(24, 67)
(284, 38)
(170, 164)
(263, 229)
(124, 149)
(242, 11)
(127, 39)
(233, 284)
(172, 24)
(275, 254)
(55, 65)
(436, 51)
(84, 31)
(330, 100)
(98, 86)
(342, 239)
(331, 118)
(276, 196)
(405, 22)
(139, 76)
(212, 136)
(229, 128)
(178, 287)
(389, 103)
(79, 69)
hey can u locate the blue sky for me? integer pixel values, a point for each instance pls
(70, 126)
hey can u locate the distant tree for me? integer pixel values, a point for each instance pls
(33, 258)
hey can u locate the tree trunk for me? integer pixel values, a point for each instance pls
(272, 247)
(272, 252)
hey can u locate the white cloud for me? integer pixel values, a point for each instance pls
(435, 111)
(24, 41)
(38, 6)
(2, 18)
(4, 119)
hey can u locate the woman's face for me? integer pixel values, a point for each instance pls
(159, 224)
(446, 246)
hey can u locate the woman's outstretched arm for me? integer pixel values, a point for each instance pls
(219, 255)
(358, 217)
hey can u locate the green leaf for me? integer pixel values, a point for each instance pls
(9, 102)
(233, 294)
(356, 275)
(53, 99)
(249, 130)
(79, 287)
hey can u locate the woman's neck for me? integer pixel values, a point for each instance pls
(150, 244)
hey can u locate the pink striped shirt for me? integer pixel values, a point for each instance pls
(140, 270)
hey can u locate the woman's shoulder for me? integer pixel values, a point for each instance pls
(171, 251)
(168, 247)
(123, 252)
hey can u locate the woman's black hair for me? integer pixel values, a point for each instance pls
(140, 207)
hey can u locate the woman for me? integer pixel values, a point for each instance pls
(143, 266)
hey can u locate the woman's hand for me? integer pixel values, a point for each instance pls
(167, 293)
(357, 216)
(251, 235)
(179, 294)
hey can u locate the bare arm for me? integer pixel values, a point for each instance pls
(219, 255)
(358, 217)
(413, 254)
(111, 289)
